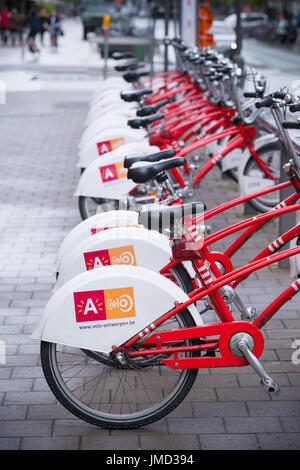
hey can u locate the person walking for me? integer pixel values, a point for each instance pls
(21, 20)
(44, 20)
(4, 21)
(54, 28)
(34, 28)
(13, 25)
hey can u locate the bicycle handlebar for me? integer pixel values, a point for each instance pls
(252, 94)
(279, 95)
(291, 125)
(295, 107)
(264, 103)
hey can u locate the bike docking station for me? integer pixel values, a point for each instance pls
(136, 277)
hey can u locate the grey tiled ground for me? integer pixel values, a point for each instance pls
(226, 409)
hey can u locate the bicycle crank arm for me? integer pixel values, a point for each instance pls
(243, 343)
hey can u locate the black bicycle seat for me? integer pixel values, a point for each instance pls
(135, 95)
(137, 123)
(132, 76)
(126, 63)
(147, 171)
(153, 157)
(164, 217)
(122, 55)
(129, 66)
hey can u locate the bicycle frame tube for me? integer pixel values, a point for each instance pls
(216, 284)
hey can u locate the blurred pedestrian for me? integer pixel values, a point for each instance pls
(34, 28)
(21, 20)
(44, 20)
(4, 21)
(282, 28)
(13, 25)
(291, 27)
(54, 28)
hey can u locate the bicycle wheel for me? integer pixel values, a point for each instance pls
(182, 278)
(252, 178)
(115, 397)
(89, 206)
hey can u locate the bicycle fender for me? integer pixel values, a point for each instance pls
(114, 106)
(117, 246)
(108, 119)
(94, 224)
(99, 223)
(102, 308)
(106, 177)
(106, 141)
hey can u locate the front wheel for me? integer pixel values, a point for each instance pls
(252, 178)
(115, 397)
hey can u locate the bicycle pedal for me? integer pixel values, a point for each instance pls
(242, 345)
(270, 386)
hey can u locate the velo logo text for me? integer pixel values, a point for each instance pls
(119, 255)
(104, 304)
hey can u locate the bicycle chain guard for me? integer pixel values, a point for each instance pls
(225, 331)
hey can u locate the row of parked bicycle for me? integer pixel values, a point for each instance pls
(121, 344)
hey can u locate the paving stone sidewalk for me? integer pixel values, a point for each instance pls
(226, 409)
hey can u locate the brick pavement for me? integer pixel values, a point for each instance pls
(226, 409)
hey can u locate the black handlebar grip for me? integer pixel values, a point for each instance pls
(264, 103)
(291, 125)
(250, 94)
(279, 94)
(295, 107)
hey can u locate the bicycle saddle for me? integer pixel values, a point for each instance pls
(131, 76)
(135, 95)
(152, 108)
(136, 123)
(153, 157)
(164, 217)
(129, 66)
(147, 171)
(122, 55)
(127, 63)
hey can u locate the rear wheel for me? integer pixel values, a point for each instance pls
(89, 206)
(114, 397)
(118, 396)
